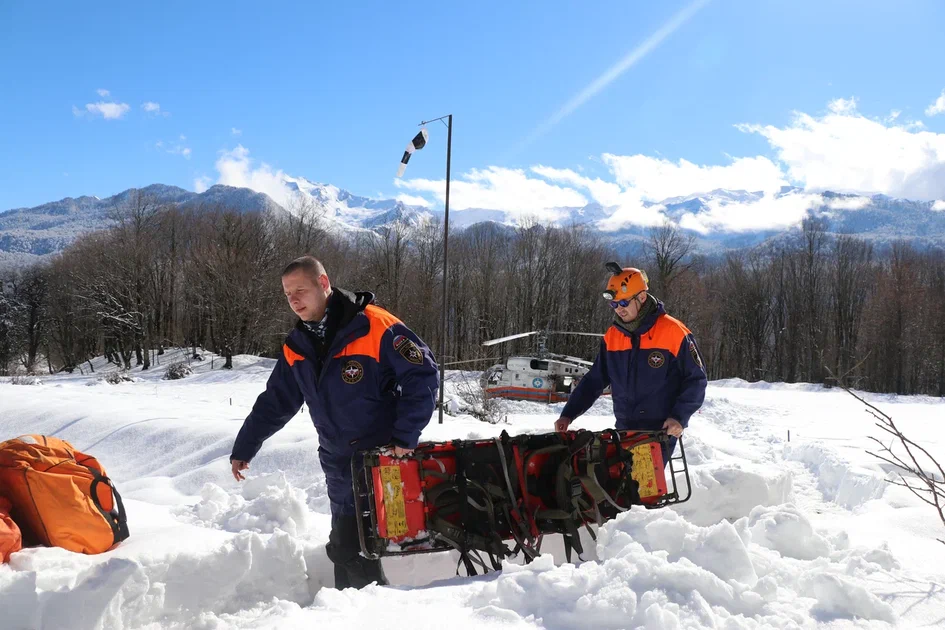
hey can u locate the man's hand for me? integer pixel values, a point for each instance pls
(237, 465)
(400, 451)
(561, 424)
(673, 427)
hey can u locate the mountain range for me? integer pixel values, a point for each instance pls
(27, 234)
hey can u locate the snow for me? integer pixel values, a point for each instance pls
(777, 534)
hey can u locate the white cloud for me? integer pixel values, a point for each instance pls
(103, 93)
(771, 212)
(631, 210)
(839, 150)
(411, 200)
(844, 151)
(603, 192)
(847, 203)
(202, 183)
(657, 179)
(235, 131)
(178, 149)
(842, 105)
(628, 205)
(236, 168)
(175, 149)
(154, 109)
(497, 188)
(938, 107)
(108, 111)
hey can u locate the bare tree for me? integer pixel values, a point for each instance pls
(852, 283)
(668, 250)
(926, 478)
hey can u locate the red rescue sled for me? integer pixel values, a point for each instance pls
(501, 496)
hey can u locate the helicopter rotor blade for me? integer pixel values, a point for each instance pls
(492, 342)
(568, 359)
(473, 360)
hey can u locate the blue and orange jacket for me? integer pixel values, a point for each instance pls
(377, 385)
(654, 373)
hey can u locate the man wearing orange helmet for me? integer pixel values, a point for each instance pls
(649, 359)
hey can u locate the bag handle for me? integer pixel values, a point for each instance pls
(116, 518)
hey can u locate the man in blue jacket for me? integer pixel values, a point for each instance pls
(368, 381)
(649, 359)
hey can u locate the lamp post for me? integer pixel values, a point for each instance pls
(416, 144)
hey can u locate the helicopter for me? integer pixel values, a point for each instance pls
(546, 377)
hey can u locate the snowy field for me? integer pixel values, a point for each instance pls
(778, 534)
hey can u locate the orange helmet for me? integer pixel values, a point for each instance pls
(625, 283)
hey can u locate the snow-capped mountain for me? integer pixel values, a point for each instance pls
(342, 210)
(28, 233)
(720, 220)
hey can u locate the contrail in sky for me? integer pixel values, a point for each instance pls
(614, 72)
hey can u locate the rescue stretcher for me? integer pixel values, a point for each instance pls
(502, 496)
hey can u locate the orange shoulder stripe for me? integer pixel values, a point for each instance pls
(291, 355)
(614, 340)
(370, 344)
(667, 334)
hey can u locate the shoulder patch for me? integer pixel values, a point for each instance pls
(695, 355)
(408, 349)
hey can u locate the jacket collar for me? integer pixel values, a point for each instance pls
(648, 322)
(350, 324)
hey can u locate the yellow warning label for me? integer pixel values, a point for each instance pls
(394, 506)
(643, 472)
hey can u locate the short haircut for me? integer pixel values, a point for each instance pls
(312, 267)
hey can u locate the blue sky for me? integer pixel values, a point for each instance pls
(333, 91)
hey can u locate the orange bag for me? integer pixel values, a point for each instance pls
(10, 539)
(61, 497)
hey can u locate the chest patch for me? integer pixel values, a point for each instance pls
(656, 359)
(408, 349)
(352, 372)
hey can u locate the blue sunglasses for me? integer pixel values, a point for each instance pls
(615, 303)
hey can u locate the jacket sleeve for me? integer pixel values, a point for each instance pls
(693, 384)
(590, 388)
(412, 371)
(272, 410)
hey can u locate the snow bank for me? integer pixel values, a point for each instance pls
(659, 571)
(788, 532)
(730, 491)
(265, 504)
(54, 588)
(838, 597)
(837, 479)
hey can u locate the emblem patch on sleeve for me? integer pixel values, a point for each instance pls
(352, 372)
(656, 359)
(408, 349)
(695, 355)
